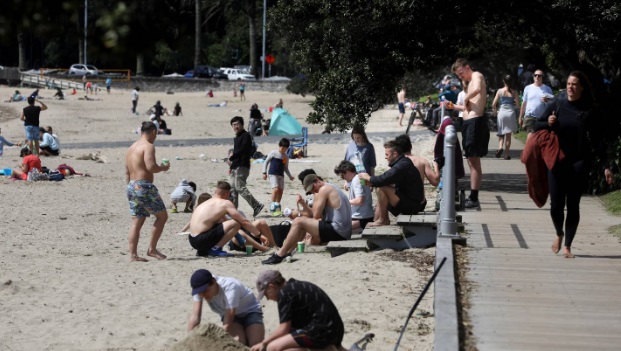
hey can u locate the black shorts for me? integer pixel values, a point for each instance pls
(50, 150)
(363, 221)
(401, 107)
(406, 206)
(327, 232)
(475, 137)
(317, 340)
(206, 240)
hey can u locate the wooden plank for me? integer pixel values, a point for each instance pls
(387, 232)
(337, 248)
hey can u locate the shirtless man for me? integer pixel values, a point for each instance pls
(401, 99)
(210, 231)
(331, 219)
(421, 163)
(475, 132)
(144, 199)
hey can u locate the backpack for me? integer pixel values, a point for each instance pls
(63, 167)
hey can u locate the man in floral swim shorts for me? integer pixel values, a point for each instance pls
(143, 197)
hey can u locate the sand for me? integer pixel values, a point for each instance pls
(66, 282)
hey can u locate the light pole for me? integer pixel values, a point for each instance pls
(85, 27)
(263, 57)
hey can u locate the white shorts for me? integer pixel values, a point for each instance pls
(182, 198)
(277, 181)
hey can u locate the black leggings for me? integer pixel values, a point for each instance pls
(566, 182)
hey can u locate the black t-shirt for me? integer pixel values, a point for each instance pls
(31, 113)
(309, 308)
(255, 114)
(159, 110)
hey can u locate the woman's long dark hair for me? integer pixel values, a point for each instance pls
(587, 89)
(507, 80)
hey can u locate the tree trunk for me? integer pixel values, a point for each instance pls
(80, 31)
(140, 64)
(251, 10)
(197, 33)
(21, 51)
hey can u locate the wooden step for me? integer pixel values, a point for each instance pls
(337, 248)
(386, 232)
(423, 218)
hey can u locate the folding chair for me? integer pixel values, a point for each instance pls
(299, 142)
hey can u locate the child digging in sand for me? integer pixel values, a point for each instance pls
(276, 165)
(184, 192)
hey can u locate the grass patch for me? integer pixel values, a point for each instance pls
(521, 136)
(612, 203)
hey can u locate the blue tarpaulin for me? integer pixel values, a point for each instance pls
(283, 123)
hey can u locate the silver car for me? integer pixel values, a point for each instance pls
(80, 70)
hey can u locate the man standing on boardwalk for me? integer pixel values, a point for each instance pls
(239, 163)
(143, 197)
(535, 97)
(401, 99)
(475, 132)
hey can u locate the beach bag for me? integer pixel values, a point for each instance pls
(280, 232)
(63, 168)
(56, 176)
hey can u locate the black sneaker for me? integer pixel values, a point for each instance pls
(472, 204)
(274, 259)
(258, 210)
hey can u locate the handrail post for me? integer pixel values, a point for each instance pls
(448, 222)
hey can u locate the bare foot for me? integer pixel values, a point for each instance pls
(378, 223)
(556, 244)
(136, 258)
(156, 254)
(567, 253)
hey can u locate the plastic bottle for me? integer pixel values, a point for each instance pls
(359, 166)
(29, 179)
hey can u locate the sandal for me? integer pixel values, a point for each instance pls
(498, 153)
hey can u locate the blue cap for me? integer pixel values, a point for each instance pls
(200, 281)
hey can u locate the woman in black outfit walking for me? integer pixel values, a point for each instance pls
(571, 116)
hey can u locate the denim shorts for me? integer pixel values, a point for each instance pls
(248, 319)
(32, 132)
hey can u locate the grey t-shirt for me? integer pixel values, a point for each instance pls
(356, 190)
(340, 217)
(232, 294)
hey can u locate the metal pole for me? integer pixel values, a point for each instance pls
(448, 224)
(264, 21)
(85, 28)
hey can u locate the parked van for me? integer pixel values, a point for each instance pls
(235, 74)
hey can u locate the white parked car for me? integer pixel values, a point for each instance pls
(235, 74)
(80, 70)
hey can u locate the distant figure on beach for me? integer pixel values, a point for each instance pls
(424, 168)
(275, 166)
(506, 116)
(401, 102)
(209, 231)
(17, 96)
(309, 320)
(331, 219)
(84, 83)
(185, 192)
(242, 91)
(475, 131)
(135, 96)
(3, 142)
(238, 308)
(49, 145)
(279, 104)
(254, 122)
(239, 168)
(157, 109)
(177, 110)
(399, 190)
(30, 116)
(222, 104)
(108, 84)
(29, 162)
(59, 94)
(360, 197)
(144, 198)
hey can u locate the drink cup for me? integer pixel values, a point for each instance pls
(165, 161)
(301, 246)
(248, 250)
(363, 182)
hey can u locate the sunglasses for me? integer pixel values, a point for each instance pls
(537, 75)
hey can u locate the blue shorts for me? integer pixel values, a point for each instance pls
(401, 107)
(32, 132)
(248, 319)
(143, 198)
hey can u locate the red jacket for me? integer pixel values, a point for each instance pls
(541, 153)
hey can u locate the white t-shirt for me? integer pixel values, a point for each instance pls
(232, 294)
(532, 96)
(135, 95)
(356, 190)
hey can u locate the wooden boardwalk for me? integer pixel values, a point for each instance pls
(524, 297)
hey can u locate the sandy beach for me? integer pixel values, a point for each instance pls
(66, 282)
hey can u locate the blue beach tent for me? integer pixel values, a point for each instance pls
(283, 123)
